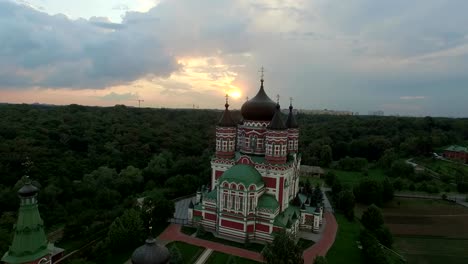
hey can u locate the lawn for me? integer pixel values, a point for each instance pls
(188, 230)
(443, 167)
(218, 257)
(345, 249)
(304, 243)
(190, 253)
(249, 246)
(353, 177)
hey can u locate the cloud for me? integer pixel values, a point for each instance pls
(418, 97)
(39, 50)
(113, 96)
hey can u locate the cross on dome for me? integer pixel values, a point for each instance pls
(261, 71)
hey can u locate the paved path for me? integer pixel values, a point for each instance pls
(172, 233)
(204, 256)
(328, 238)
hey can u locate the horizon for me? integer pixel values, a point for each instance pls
(407, 59)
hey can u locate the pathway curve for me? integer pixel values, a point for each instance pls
(172, 233)
(328, 238)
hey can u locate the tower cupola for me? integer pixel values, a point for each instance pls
(293, 131)
(276, 138)
(226, 133)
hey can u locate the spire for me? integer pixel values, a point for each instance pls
(291, 121)
(226, 119)
(29, 242)
(277, 122)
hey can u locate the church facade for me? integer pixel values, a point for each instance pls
(254, 189)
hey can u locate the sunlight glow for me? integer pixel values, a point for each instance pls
(236, 94)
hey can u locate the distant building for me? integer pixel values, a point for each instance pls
(312, 171)
(376, 113)
(458, 153)
(325, 112)
(254, 190)
(30, 245)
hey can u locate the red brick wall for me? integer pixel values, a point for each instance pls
(210, 216)
(231, 224)
(263, 228)
(218, 174)
(269, 182)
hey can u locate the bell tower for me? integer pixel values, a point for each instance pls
(226, 133)
(29, 242)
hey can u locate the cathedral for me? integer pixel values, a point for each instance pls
(254, 189)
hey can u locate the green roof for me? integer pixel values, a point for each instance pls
(268, 201)
(211, 195)
(262, 160)
(29, 241)
(457, 148)
(242, 173)
(288, 216)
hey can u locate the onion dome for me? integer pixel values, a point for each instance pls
(291, 121)
(277, 122)
(259, 108)
(226, 119)
(28, 190)
(151, 253)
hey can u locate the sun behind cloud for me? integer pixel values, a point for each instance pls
(236, 94)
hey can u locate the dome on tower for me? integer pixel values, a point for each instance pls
(151, 253)
(277, 122)
(291, 121)
(259, 108)
(28, 190)
(226, 119)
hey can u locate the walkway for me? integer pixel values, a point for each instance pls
(328, 238)
(172, 233)
(204, 256)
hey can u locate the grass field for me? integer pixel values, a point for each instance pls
(428, 231)
(345, 249)
(190, 253)
(218, 257)
(432, 250)
(352, 177)
(450, 169)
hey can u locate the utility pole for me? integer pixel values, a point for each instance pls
(139, 102)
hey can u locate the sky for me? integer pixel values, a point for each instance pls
(401, 57)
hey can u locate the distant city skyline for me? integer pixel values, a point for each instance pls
(400, 57)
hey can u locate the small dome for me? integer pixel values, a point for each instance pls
(28, 190)
(277, 121)
(242, 173)
(259, 108)
(291, 121)
(226, 118)
(151, 253)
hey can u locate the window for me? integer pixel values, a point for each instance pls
(253, 142)
(241, 203)
(277, 150)
(231, 145)
(268, 149)
(218, 144)
(225, 198)
(233, 201)
(224, 145)
(246, 142)
(283, 151)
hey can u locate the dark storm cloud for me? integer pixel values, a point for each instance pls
(39, 50)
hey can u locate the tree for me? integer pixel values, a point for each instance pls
(369, 191)
(372, 251)
(127, 231)
(231, 260)
(384, 236)
(330, 178)
(320, 260)
(388, 191)
(176, 255)
(326, 156)
(372, 218)
(283, 249)
(347, 203)
(157, 209)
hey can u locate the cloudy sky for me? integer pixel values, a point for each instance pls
(402, 57)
